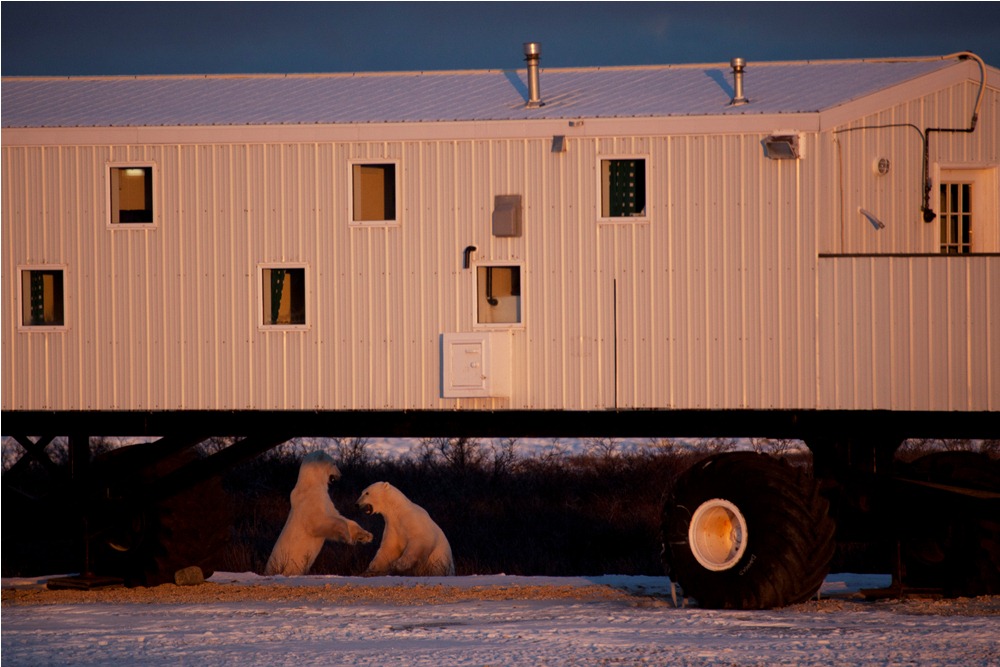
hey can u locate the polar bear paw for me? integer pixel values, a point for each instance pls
(359, 535)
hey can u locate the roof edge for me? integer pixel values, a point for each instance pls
(479, 72)
(409, 131)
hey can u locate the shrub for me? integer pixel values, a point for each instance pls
(552, 513)
(586, 514)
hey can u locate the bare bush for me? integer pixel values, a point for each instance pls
(718, 445)
(550, 512)
(605, 448)
(991, 448)
(667, 446)
(503, 456)
(774, 447)
(459, 453)
(352, 452)
(916, 448)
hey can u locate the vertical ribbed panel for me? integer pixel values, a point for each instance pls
(909, 333)
(718, 299)
(896, 197)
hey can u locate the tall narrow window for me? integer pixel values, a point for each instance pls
(373, 191)
(956, 218)
(284, 296)
(131, 194)
(623, 188)
(42, 298)
(499, 295)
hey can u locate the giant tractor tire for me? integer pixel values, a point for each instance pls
(747, 531)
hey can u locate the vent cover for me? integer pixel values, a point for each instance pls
(507, 215)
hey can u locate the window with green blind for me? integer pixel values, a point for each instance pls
(623, 188)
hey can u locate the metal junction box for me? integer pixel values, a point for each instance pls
(507, 215)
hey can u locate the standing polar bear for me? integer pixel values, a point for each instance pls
(312, 520)
(412, 544)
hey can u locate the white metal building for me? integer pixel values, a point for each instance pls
(695, 237)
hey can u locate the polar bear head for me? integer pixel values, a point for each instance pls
(317, 469)
(378, 497)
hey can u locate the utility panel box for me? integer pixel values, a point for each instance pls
(507, 215)
(475, 365)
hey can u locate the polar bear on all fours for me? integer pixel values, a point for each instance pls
(412, 544)
(312, 520)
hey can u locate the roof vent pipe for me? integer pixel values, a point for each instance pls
(738, 64)
(532, 53)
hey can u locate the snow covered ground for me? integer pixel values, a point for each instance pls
(635, 624)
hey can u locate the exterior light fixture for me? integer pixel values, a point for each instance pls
(782, 147)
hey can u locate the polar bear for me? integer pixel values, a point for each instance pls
(312, 520)
(412, 544)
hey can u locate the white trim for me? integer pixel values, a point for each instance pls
(902, 93)
(431, 131)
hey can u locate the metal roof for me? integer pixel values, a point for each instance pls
(413, 97)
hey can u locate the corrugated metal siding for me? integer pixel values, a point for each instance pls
(717, 300)
(910, 333)
(896, 197)
(616, 314)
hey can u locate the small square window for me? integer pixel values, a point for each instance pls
(284, 296)
(373, 192)
(498, 298)
(131, 194)
(42, 298)
(623, 188)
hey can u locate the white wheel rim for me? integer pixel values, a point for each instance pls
(717, 534)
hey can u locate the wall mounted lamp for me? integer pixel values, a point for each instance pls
(782, 147)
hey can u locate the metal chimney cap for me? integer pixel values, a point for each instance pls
(532, 56)
(738, 65)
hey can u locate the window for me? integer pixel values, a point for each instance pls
(498, 299)
(373, 192)
(283, 291)
(623, 188)
(42, 298)
(130, 189)
(956, 218)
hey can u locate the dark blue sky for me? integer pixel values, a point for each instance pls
(51, 38)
